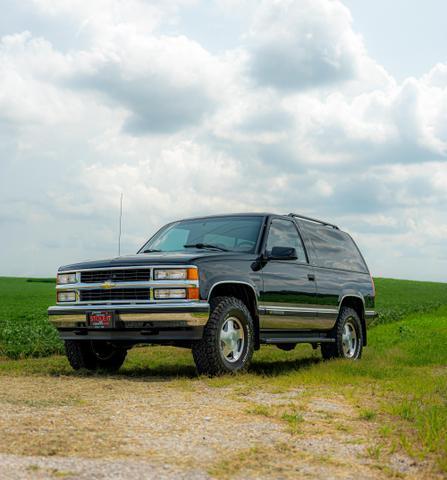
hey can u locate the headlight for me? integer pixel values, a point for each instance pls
(190, 293)
(65, 278)
(66, 297)
(176, 274)
(169, 293)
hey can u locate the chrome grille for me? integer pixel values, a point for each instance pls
(124, 275)
(115, 294)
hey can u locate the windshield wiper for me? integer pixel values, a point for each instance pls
(150, 250)
(205, 245)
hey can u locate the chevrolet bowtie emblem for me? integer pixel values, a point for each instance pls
(108, 284)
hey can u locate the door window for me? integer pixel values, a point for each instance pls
(283, 233)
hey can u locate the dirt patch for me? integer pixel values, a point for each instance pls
(14, 467)
(150, 428)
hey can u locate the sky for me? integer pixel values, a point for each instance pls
(332, 109)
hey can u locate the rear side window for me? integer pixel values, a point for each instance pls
(283, 233)
(333, 248)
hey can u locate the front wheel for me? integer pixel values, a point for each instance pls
(94, 355)
(228, 339)
(348, 337)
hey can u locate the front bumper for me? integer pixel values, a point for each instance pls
(171, 315)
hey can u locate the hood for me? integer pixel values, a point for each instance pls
(146, 259)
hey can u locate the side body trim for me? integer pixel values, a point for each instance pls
(273, 309)
(300, 318)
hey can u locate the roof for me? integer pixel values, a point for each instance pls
(244, 214)
(263, 214)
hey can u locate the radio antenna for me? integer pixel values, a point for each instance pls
(121, 221)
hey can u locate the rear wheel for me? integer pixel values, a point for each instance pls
(348, 337)
(227, 343)
(94, 355)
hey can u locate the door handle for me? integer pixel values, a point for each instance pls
(311, 277)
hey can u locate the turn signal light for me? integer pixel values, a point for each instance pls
(193, 293)
(193, 274)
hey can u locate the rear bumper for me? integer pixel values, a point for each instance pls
(370, 316)
(142, 316)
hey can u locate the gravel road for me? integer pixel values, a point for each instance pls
(118, 428)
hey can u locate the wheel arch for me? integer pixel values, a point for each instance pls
(245, 292)
(357, 303)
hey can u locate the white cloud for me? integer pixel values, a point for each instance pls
(101, 18)
(298, 117)
(165, 83)
(308, 44)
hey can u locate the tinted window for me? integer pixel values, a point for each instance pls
(283, 233)
(237, 234)
(333, 248)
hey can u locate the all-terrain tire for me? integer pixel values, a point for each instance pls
(94, 355)
(108, 356)
(80, 354)
(207, 352)
(348, 320)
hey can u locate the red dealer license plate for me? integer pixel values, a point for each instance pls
(101, 319)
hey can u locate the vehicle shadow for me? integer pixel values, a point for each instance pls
(167, 373)
(278, 367)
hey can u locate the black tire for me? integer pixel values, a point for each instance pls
(208, 354)
(80, 354)
(99, 355)
(347, 318)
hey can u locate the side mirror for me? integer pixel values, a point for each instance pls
(283, 253)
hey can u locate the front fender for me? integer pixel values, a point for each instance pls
(235, 271)
(230, 280)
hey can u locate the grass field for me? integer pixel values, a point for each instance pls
(25, 331)
(399, 387)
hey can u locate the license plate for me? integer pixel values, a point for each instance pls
(101, 319)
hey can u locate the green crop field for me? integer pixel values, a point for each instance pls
(400, 384)
(25, 331)
(24, 327)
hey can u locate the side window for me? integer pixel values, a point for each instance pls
(334, 249)
(283, 233)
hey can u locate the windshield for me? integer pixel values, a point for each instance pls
(235, 234)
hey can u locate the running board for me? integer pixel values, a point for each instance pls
(293, 337)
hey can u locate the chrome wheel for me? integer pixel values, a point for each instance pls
(349, 339)
(232, 339)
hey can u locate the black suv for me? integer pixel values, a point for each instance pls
(222, 286)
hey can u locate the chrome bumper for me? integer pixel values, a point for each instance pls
(185, 314)
(370, 316)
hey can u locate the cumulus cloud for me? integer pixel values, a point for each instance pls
(297, 117)
(165, 83)
(304, 44)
